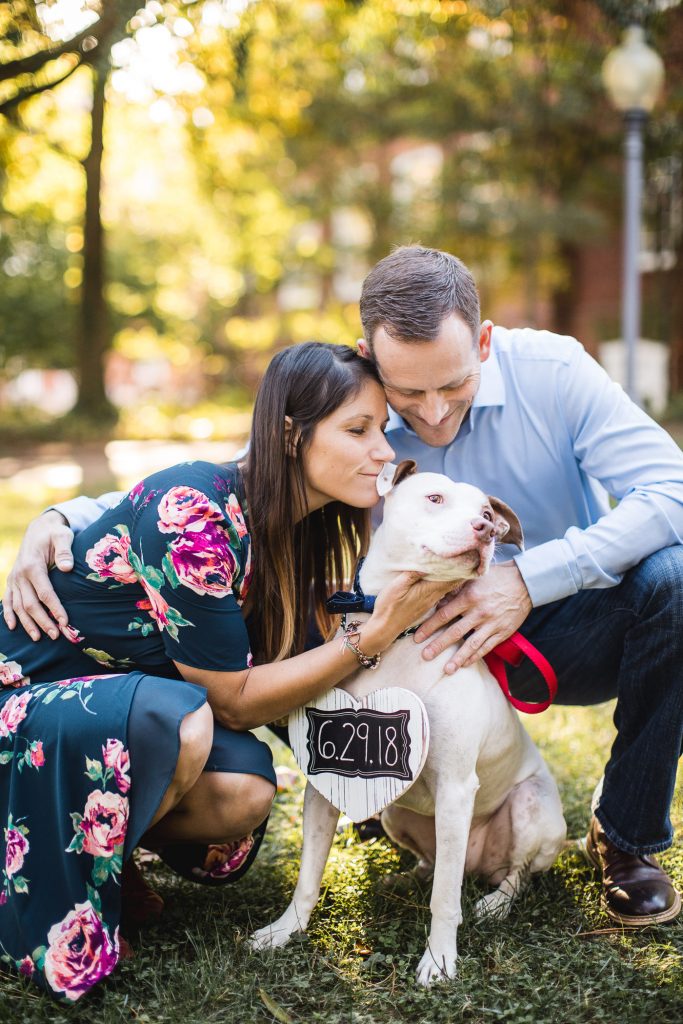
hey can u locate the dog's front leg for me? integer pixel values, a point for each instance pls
(320, 821)
(453, 816)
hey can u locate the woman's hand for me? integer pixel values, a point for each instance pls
(29, 595)
(400, 604)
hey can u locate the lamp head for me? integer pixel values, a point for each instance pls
(633, 72)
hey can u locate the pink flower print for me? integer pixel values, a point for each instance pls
(37, 754)
(104, 823)
(3, 898)
(26, 966)
(204, 562)
(246, 578)
(184, 509)
(17, 848)
(80, 952)
(11, 674)
(155, 604)
(13, 712)
(110, 558)
(222, 859)
(136, 493)
(236, 516)
(117, 757)
(81, 679)
(71, 634)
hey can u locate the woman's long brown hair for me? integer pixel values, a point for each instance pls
(298, 562)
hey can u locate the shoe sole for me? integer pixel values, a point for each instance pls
(627, 920)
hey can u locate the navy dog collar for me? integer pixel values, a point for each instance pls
(343, 602)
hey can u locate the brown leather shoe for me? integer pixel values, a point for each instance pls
(636, 891)
(139, 902)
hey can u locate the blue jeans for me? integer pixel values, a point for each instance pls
(624, 642)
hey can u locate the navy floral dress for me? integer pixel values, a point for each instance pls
(89, 723)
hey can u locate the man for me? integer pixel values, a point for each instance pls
(530, 417)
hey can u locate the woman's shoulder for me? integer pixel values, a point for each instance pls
(209, 479)
(192, 492)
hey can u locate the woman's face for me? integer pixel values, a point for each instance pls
(348, 450)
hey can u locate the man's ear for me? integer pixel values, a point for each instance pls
(484, 342)
(364, 349)
(290, 437)
(508, 526)
(392, 475)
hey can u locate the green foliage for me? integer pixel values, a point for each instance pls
(250, 185)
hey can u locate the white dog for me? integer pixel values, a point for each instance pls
(485, 801)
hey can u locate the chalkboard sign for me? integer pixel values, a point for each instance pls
(361, 754)
(361, 744)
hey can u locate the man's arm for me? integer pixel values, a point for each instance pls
(636, 461)
(80, 512)
(616, 443)
(29, 596)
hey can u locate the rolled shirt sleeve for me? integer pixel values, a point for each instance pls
(638, 464)
(81, 512)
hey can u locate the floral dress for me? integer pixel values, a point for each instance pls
(89, 723)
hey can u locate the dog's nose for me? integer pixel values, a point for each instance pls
(483, 529)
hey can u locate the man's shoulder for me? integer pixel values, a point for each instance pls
(529, 344)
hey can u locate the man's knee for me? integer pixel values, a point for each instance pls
(660, 576)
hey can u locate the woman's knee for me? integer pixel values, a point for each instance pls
(240, 802)
(196, 737)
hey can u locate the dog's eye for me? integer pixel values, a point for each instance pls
(488, 515)
(437, 499)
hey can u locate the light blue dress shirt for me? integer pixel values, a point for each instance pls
(553, 436)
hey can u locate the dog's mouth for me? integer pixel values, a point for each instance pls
(472, 559)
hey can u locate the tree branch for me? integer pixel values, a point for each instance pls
(35, 61)
(26, 93)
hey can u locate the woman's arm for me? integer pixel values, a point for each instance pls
(255, 696)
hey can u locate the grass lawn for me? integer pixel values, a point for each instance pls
(555, 959)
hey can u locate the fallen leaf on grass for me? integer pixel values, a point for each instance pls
(278, 1012)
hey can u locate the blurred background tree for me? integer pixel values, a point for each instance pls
(260, 155)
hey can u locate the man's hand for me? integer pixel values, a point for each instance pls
(491, 608)
(29, 595)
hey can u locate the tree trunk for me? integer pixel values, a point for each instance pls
(95, 332)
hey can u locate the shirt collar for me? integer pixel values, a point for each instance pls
(491, 392)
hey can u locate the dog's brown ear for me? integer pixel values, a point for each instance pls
(508, 526)
(404, 470)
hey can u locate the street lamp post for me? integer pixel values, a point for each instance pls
(632, 74)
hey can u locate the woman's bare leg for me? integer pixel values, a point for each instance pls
(219, 808)
(196, 737)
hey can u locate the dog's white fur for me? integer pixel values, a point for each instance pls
(485, 801)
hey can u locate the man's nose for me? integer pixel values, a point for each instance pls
(483, 529)
(433, 408)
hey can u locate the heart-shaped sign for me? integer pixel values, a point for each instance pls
(361, 754)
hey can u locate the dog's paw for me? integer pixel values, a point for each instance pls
(495, 904)
(271, 937)
(434, 967)
(402, 883)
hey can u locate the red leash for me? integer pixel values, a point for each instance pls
(511, 652)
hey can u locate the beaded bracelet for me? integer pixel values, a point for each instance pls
(351, 641)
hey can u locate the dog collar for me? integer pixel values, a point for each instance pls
(343, 602)
(510, 652)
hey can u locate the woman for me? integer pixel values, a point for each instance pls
(154, 743)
